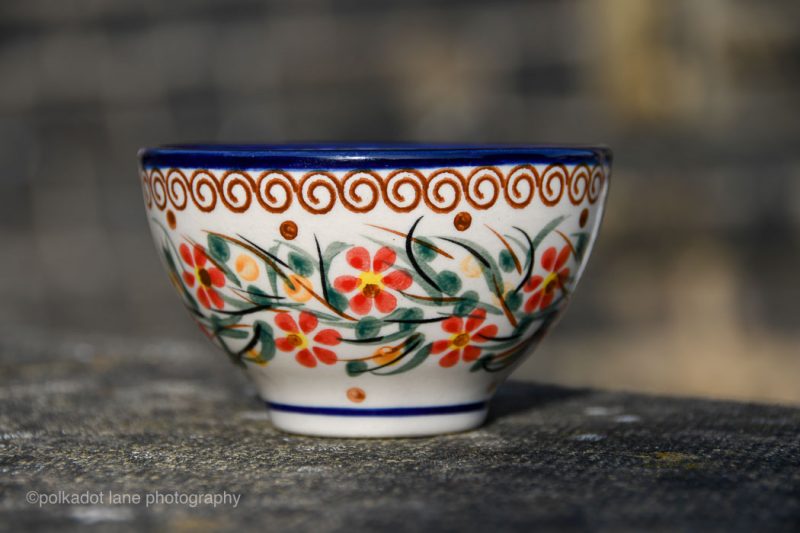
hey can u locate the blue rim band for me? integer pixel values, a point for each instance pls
(382, 411)
(362, 156)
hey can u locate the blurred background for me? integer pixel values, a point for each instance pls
(693, 288)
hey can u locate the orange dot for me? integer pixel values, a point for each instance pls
(172, 222)
(296, 290)
(584, 217)
(247, 267)
(462, 221)
(288, 230)
(356, 394)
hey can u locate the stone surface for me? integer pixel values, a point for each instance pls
(135, 419)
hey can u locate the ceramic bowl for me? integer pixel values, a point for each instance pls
(375, 290)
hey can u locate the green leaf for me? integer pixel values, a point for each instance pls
(218, 248)
(513, 300)
(218, 322)
(468, 303)
(581, 243)
(219, 252)
(236, 302)
(301, 261)
(526, 322)
(480, 363)
(449, 282)
(258, 296)
(330, 318)
(168, 258)
(266, 339)
(397, 314)
(423, 253)
(492, 365)
(422, 282)
(413, 313)
(506, 261)
(272, 276)
(331, 251)
(405, 331)
(405, 313)
(368, 327)
(337, 300)
(190, 302)
(383, 339)
(233, 333)
(546, 230)
(229, 274)
(300, 264)
(355, 368)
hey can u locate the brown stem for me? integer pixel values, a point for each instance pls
(514, 257)
(280, 272)
(324, 302)
(421, 242)
(502, 298)
(569, 243)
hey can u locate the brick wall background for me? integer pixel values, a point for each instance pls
(695, 284)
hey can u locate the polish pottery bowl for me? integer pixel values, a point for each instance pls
(375, 291)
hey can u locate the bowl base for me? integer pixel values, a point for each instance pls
(374, 425)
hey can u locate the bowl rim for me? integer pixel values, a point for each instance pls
(366, 155)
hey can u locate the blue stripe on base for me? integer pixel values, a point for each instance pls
(381, 411)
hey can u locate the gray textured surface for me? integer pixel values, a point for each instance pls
(92, 415)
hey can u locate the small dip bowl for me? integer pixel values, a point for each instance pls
(375, 291)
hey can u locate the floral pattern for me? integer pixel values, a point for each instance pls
(546, 287)
(373, 281)
(378, 308)
(206, 277)
(463, 337)
(298, 339)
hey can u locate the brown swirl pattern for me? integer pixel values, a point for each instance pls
(204, 187)
(359, 191)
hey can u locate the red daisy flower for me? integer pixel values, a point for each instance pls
(297, 339)
(373, 281)
(460, 344)
(207, 277)
(545, 288)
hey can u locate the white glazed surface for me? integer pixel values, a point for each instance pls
(176, 218)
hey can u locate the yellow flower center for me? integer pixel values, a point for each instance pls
(370, 283)
(460, 340)
(550, 283)
(298, 340)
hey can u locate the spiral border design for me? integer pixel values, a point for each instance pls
(359, 191)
